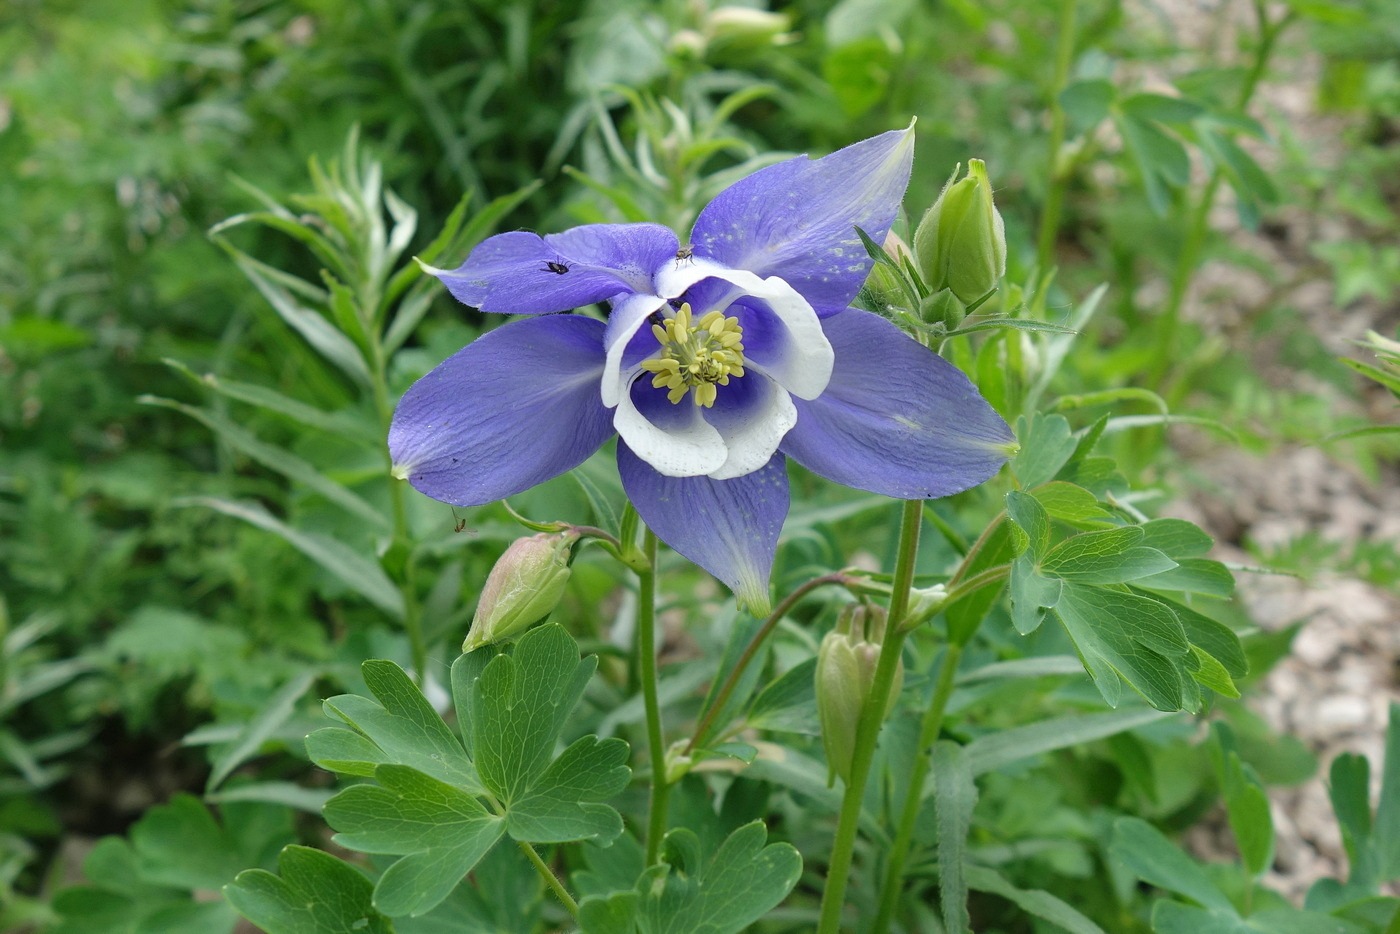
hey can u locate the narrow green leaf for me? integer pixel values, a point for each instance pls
(997, 750)
(789, 703)
(955, 796)
(278, 459)
(1350, 791)
(335, 423)
(353, 569)
(626, 205)
(1151, 857)
(287, 794)
(410, 312)
(1035, 902)
(1125, 422)
(1013, 324)
(315, 329)
(268, 719)
(1388, 811)
(1108, 396)
(315, 894)
(1046, 666)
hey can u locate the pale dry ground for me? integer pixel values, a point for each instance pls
(1333, 692)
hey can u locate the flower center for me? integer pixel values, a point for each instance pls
(696, 356)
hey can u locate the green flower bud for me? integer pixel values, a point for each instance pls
(846, 664)
(943, 307)
(961, 244)
(739, 24)
(523, 588)
(924, 604)
(883, 282)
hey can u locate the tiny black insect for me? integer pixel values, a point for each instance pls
(460, 525)
(685, 254)
(557, 268)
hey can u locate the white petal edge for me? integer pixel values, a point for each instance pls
(753, 442)
(624, 320)
(807, 370)
(691, 451)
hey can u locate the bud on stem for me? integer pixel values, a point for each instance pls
(846, 664)
(524, 587)
(960, 245)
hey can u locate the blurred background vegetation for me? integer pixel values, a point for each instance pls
(1229, 170)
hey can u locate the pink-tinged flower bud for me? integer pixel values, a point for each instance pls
(846, 664)
(961, 243)
(523, 588)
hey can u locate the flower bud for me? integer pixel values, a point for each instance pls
(924, 605)
(961, 243)
(942, 307)
(846, 664)
(524, 587)
(740, 24)
(883, 282)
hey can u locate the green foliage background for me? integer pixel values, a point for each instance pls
(144, 634)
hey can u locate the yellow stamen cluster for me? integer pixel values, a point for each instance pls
(696, 356)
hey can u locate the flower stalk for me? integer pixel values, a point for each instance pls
(550, 879)
(909, 814)
(706, 723)
(646, 666)
(868, 730)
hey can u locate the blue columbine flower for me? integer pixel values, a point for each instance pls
(716, 360)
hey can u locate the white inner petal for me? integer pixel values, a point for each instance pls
(725, 441)
(623, 322)
(806, 369)
(688, 448)
(752, 436)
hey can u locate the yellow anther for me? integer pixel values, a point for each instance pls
(696, 356)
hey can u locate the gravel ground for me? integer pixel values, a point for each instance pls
(1334, 691)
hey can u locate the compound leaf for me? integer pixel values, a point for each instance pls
(440, 831)
(315, 893)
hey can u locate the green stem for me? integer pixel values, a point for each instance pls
(871, 717)
(412, 618)
(1058, 179)
(788, 602)
(646, 666)
(550, 879)
(928, 734)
